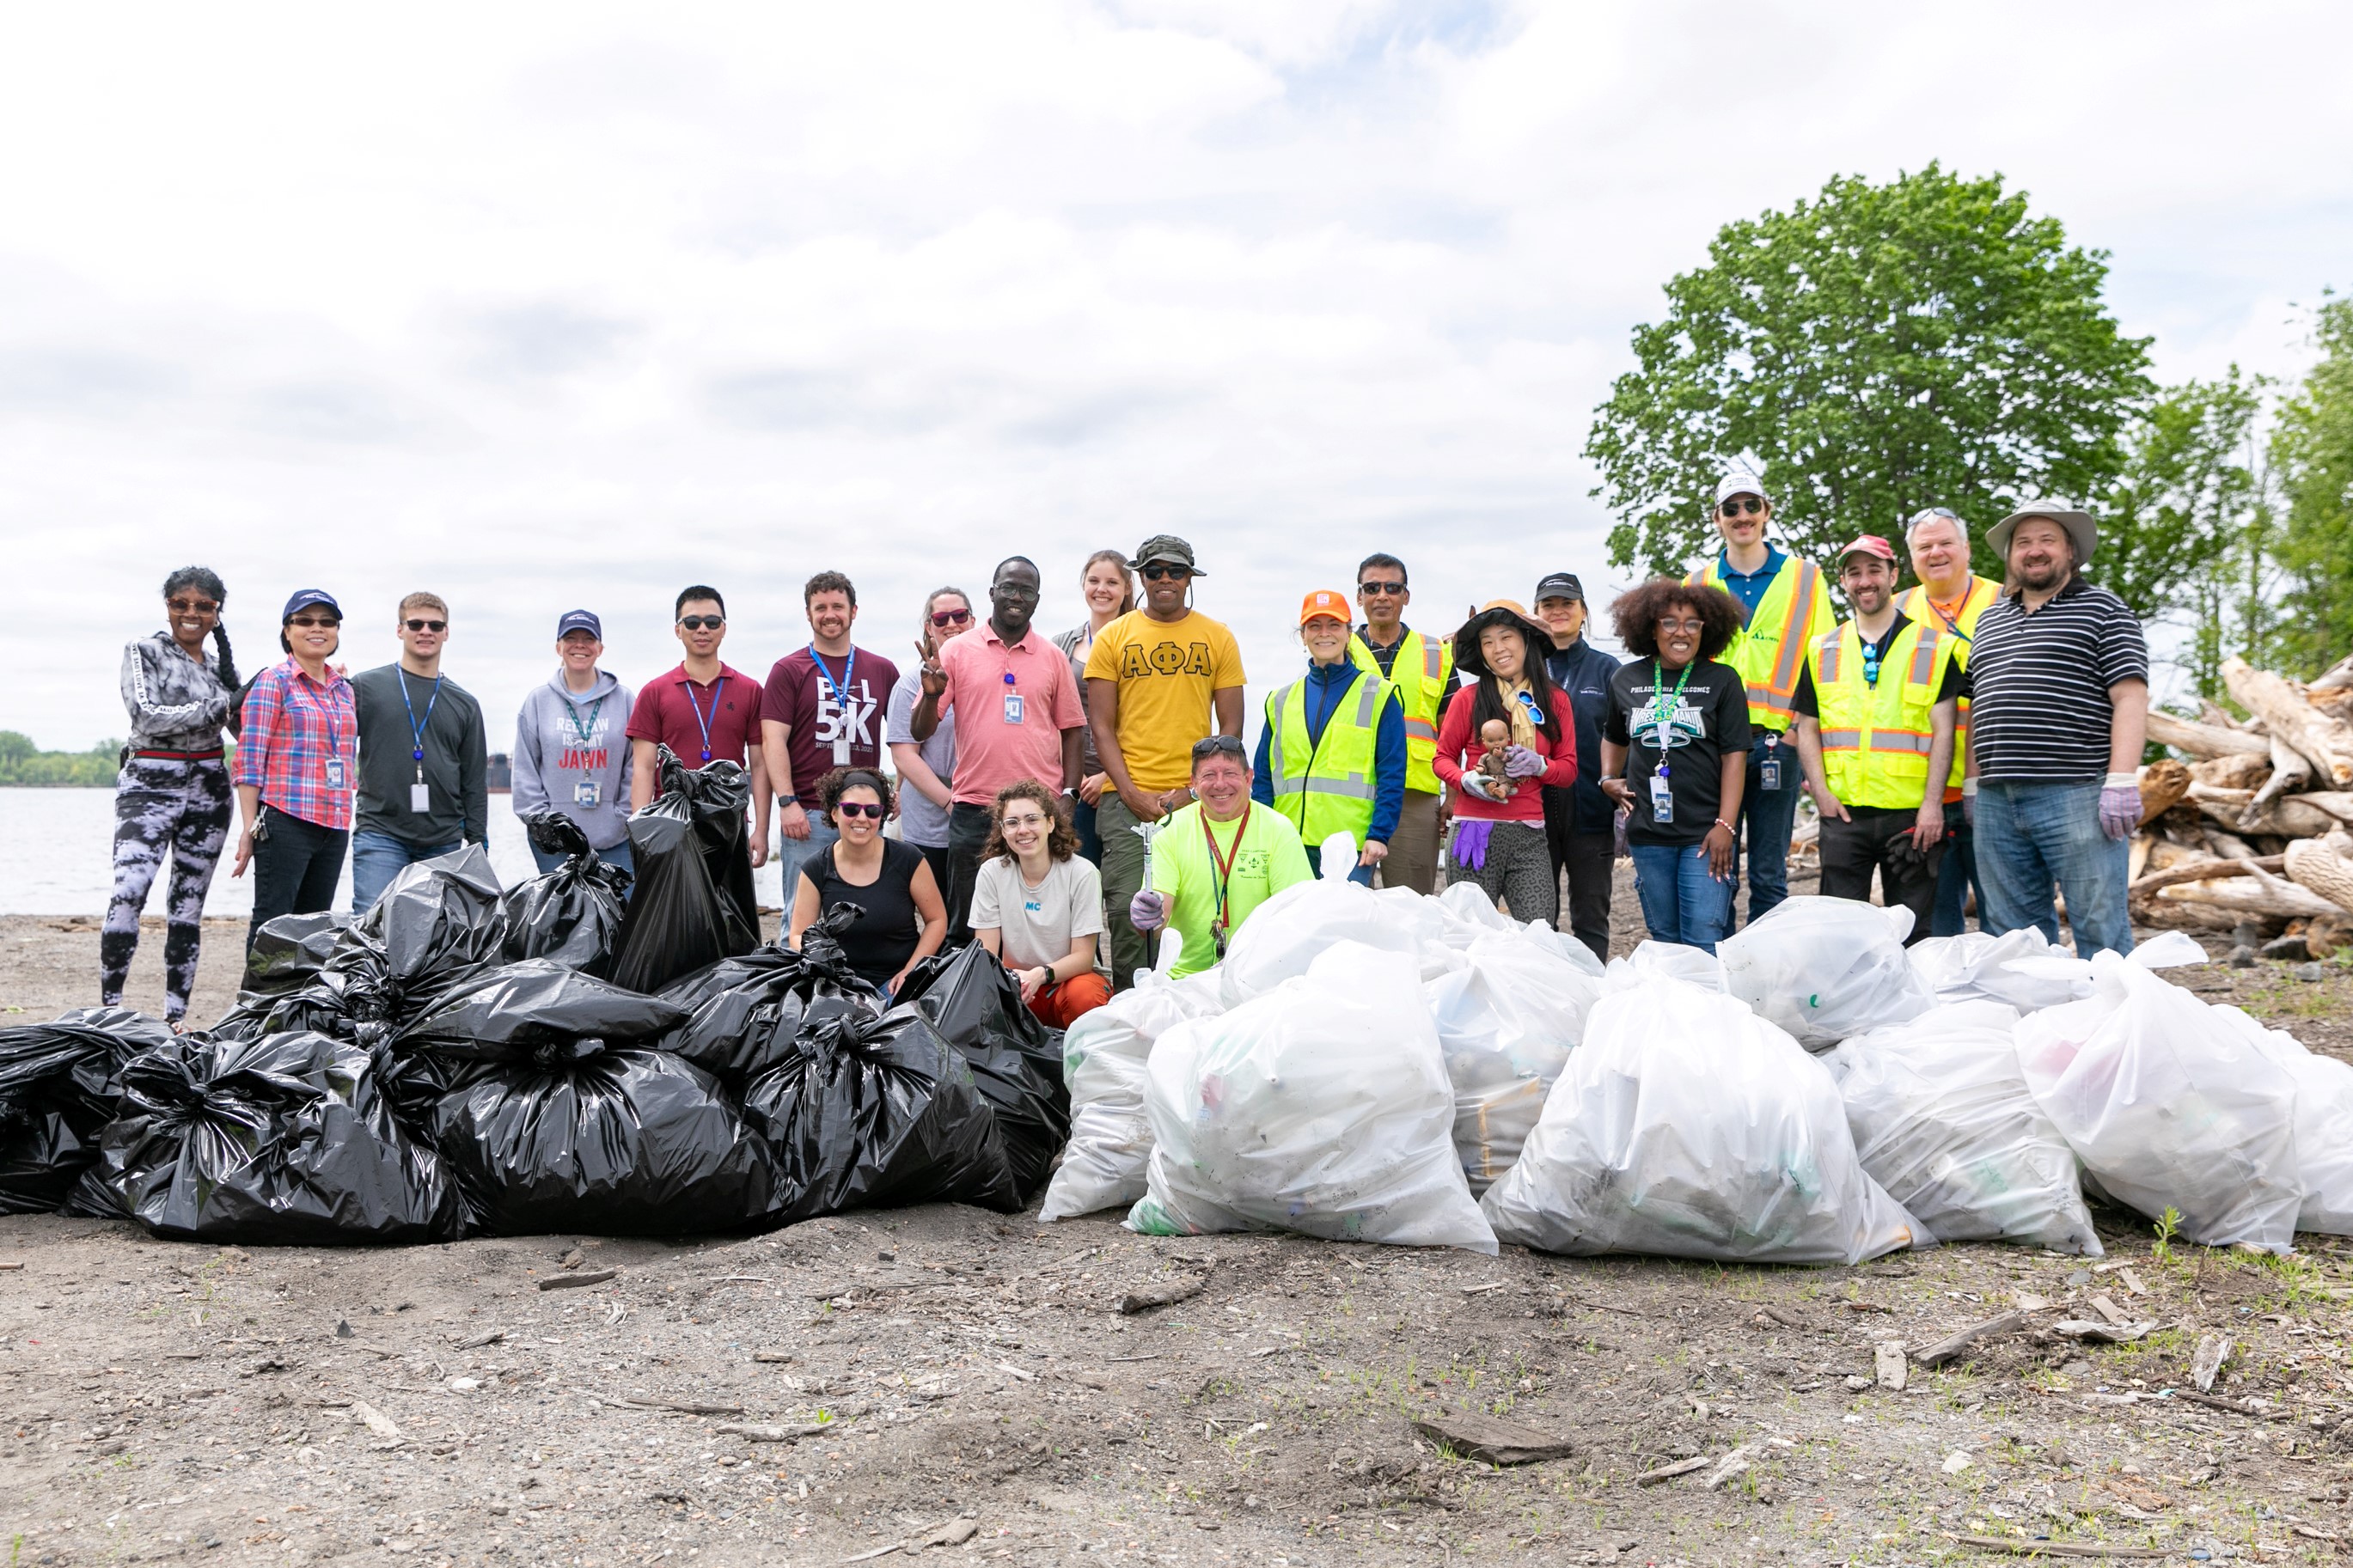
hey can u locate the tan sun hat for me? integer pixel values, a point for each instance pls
(2078, 524)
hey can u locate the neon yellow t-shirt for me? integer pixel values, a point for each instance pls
(1267, 858)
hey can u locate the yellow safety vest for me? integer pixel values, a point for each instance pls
(1771, 648)
(1876, 739)
(1422, 673)
(1326, 786)
(1915, 604)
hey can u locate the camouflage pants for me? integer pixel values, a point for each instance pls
(162, 809)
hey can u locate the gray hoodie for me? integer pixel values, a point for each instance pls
(568, 747)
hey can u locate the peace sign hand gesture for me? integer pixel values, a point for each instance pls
(934, 676)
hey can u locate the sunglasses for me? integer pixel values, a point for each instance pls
(950, 618)
(427, 625)
(328, 621)
(697, 623)
(1369, 589)
(860, 808)
(1217, 745)
(192, 606)
(1157, 571)
(1739, 504)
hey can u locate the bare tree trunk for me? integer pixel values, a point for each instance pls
(2291, 716)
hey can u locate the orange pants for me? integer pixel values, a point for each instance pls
(1067, 1002)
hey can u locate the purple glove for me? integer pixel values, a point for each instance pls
(2120, 810)
(1146, 911)
(1522, 763)
(1471, 836)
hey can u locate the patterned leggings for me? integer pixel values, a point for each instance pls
(163, 808)
(1518, 872)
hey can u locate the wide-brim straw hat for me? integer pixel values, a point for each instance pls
(2078, 524)
(1496, 613)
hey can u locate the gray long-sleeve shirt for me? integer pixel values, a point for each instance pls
(572, 755)
(456, 762)
(176, 703)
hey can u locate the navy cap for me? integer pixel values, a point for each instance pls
(580, 621)
(1560, 585)
(304, 598)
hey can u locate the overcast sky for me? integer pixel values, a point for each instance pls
(545, 306)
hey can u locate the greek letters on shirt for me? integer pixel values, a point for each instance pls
(1165, 659)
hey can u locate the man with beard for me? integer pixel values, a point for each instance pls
(2058, 713)
(823, 709)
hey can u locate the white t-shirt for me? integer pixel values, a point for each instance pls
(1039, 924)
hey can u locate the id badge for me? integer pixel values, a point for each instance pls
(1662, 800)
(1769, 767)
(420, 798)
(587, 792)
(841, 749)
(335, 773)
(1013, 707)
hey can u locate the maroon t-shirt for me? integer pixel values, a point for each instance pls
(666, 711)
(830, 728)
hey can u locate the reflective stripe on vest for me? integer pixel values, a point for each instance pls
(1983, 592)
(1876, 741)
(1789, 606)
(1420, 699)
(1325, 787)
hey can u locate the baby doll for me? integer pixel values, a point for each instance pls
(1496, 737)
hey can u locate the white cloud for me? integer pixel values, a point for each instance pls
(545, 305)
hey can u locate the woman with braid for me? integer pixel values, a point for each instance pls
(172, 798)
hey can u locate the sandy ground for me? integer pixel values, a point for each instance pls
(861, 1385)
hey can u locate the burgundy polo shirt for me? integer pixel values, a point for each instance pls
(677, 712)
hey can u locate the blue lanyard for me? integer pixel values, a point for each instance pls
(702, 723)
(415, 730)
(840, 688)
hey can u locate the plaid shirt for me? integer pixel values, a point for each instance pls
(292, 727)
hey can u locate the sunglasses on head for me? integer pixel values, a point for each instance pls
(1369, 589)
(329, 621)
(697, 623)
(192, 606)
(1739, 504)
(1218, 745)
(873, 808)
(950, 618)
(1158, 570)
(421, 626)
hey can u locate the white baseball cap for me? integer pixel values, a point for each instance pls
(1740, 482)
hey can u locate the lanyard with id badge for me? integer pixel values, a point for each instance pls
(1222, 867)
(420, 796)
(841, 691)
(1013, 703)
(1664, 705)
(589, 792)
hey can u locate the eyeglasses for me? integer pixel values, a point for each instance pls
(1156, 571)
(414, 626)
(873, 808)
(1368, 590)
(192, 606)
(1218, 745)
(950, 618)
(697, 623)
(1691, 627)
(1739, 504)
(328, 621)
(1031, 820)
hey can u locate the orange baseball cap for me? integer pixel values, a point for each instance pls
(1324, 602)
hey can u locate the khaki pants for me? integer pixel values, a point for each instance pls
(1413, 848)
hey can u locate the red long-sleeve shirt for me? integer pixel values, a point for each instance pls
(1456, 737)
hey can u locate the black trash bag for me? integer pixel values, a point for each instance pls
(693, 904)
(609, 1139)
(290, 953)
(506, 1014)
(438, 918)
(975, 1004)
(572, 914)
(871, 1112)
(745, 1012)
(59, 1086)
(286, 1139)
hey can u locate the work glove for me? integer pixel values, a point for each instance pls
(1147, 911)
(2120, 810)
(1475, 784)
(1523, 762)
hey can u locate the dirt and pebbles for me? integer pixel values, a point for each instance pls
(857, 1387)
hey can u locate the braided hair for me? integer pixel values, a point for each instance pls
(205, 580)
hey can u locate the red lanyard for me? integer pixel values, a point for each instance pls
(1224, 864)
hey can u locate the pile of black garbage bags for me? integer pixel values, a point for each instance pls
(573, 1054)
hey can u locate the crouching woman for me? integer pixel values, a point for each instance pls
(1037, 904)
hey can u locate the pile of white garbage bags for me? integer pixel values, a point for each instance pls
(1825, 969)
(1686, 1125)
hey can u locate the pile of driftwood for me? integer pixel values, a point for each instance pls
(2256, 828)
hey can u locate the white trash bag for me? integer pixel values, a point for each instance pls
(1942, 1119)
(1506, 1021)
(1664, 960)
(1103, 1056)
(1685, 1125)
(1283, 935)
(2023, 968)
(1322, 1107)
(1824, 969)
(2170, 1103)
(2324, 1131)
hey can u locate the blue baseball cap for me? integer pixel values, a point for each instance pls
(304, 598)
(580, 621)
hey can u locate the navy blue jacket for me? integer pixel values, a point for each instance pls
(1583, 671)
(1326, 684)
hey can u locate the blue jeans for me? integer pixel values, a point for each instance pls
(1956, 877)
(619, 855)
(1682, 901)
(1362, 875)
(1082, 822)
(792, 853)
(2037, 834)
(378, 857)
(1767, 819)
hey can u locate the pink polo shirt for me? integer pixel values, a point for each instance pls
(983, 672)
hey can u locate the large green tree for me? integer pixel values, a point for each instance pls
(2312, 451)
(1879, 349)
(2173, 526)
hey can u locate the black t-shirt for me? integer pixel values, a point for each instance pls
(1955, 684)
(1708, 718)
(879, 941)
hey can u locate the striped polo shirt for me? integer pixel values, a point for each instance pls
(2039, 684)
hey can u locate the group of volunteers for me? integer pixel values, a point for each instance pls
(1062, 801)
